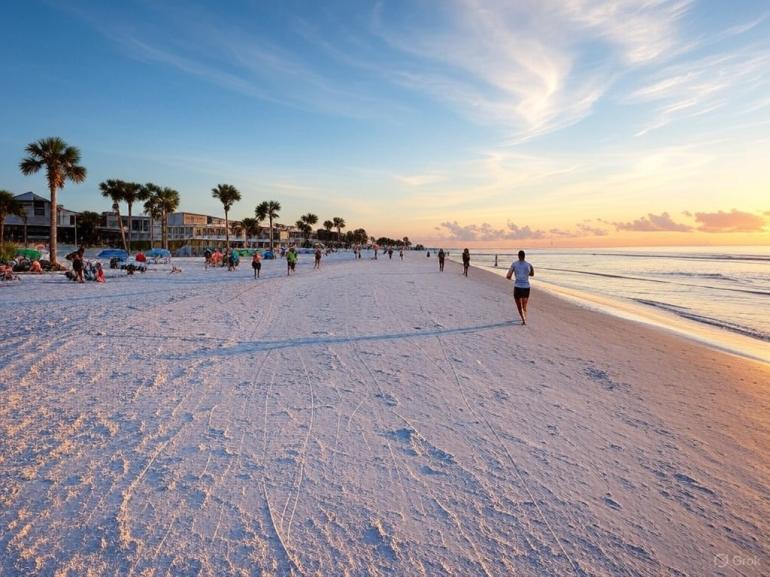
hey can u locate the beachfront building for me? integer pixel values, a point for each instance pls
(188, 232)
(35, 226)
(140, 229)
(193, 233)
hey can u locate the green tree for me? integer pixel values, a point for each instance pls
(61, 162)
(152, 209)
(133, 192)
(328, 225)
(88, 224)
(237, 228)
(228, 195)
(168, 200)
(250, 227)
(339, 224)
(268, 209)
(305, 229)
(309, 220)
(116, 191)
(9, 206)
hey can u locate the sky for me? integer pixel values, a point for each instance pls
(533, 123)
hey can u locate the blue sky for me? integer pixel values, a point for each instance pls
(475, 121)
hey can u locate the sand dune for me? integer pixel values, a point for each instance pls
(370, 418)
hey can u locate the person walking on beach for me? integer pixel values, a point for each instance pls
(521, 270)
(291, 261)
(390, 253)
(466, 261)
(256, 264)
(441, 257)
(317, 264)
(401, 253)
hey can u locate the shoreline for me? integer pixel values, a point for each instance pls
(713, 337)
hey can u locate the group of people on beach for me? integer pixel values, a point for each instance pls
(519, 271)
(83, 270)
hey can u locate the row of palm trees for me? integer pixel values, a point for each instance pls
(62, 163)
(159, 202)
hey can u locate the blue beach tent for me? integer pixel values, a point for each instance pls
(113, 253)
(158, 252)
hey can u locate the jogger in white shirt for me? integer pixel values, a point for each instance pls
(522, 271)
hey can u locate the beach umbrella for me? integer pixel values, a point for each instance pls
(29, 253)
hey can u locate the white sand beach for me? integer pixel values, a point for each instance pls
(370, 418)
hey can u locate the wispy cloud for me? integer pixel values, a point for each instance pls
(525, 65)
(700, 86)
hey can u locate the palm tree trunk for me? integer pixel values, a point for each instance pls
(54, 222)
(129, 228)
(152, 235)
(227, 231)
(122, 232)
(164, 230)
(271, 235)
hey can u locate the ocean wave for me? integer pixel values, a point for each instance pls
(732, 289)
(669, 256)
(686, 313)
(709, 275)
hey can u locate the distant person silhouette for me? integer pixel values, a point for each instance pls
(466, 261)
(441, 257)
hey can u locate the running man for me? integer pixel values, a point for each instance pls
(441, 257)
(522, 270)
(466, 261)
(291, 261)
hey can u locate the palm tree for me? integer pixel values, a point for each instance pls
(152, 208)
(9, 206)
(133, 192)
(228, 195)
(328, 225)
(407, 242)
(116, 190)
(237, 229)
(168, 201)
(250, 227)
(268, 209)
(309, 219)
(304, 228)
(339, 224)
(61, 163)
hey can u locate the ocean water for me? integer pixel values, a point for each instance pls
(717, 294)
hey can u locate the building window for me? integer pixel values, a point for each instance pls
(72, 220)
(39, 208)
